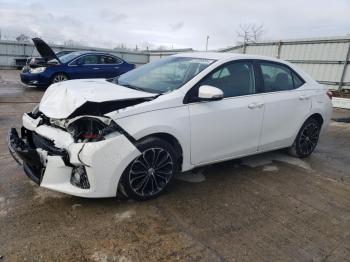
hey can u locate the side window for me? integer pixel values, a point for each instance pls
(298, 82)
(276, 77)
(235, 79)
(109, 60)
(89, 60)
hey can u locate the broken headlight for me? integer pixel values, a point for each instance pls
(90, 129)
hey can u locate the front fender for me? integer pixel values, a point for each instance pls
(172, 121)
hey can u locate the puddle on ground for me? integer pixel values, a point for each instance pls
(343, 125)
(75, 206)
(119, 217)
(100, 256)
(192, 177)
(4, 206)
(270, 168)
(42, 194)
(268, 158)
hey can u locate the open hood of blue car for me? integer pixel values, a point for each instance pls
(44, 50)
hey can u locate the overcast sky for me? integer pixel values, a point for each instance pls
(177, 23)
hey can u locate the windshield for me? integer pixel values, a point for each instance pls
(68, 57)
(164, 75)
(62, 53)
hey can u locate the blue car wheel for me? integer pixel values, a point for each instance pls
(59, 78)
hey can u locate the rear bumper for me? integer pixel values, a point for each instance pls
(51, 158)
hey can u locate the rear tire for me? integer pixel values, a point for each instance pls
(306, 140)
(59, 78)
(149, 174)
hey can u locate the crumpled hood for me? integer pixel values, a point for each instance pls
(62, 99)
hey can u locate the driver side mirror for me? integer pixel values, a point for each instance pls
(210, 93)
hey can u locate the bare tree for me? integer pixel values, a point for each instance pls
(250, 33)
(22, 38)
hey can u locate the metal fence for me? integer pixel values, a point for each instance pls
(325, 59)
(158, 54)
(12, 50)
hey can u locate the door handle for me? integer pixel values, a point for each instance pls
(116, 67)
(255, 105)
(260, 104)
(96, 68)
(304, 97)
(252, 106)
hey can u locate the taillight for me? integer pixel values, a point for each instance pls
(329, 94)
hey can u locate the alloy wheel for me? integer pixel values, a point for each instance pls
(308, 138)
(151, 172)
(59, 78)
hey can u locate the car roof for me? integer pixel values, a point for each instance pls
(227, 56)
(93, 53)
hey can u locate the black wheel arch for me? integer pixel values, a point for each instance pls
(318, 117)
(172, 140)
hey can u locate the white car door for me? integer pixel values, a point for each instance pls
(287, 102)
(229, 127)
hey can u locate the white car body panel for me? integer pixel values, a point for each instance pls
(232, 121)
(287, 107)
(62, 99)
(60, 138)
(104, 161)
(207, 132)
(173, 121)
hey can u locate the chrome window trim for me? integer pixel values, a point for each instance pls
(70, 63)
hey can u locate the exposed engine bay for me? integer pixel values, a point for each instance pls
(87, 123)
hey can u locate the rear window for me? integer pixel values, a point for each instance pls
(279, 78)
(109, 60)
(298, 82)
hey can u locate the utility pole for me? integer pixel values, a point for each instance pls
(206, 46)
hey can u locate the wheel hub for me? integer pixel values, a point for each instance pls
(151, 171)
(308, 139)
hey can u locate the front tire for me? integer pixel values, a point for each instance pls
(59, 78)
(307, 139)
(149, 174)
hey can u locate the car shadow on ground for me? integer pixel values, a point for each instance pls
(203, 176)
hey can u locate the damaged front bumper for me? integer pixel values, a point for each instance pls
(53, 160)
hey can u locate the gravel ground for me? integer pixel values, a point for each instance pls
(270, 207)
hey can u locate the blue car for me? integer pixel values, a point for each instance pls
(75, 65)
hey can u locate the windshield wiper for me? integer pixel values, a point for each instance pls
(132, 87)
(148, 90)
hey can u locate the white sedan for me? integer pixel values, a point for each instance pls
(130, 135)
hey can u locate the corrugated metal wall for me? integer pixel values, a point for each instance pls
(158, 54)
(326, 59)
(11, 50)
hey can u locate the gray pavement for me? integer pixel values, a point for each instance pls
(270, 207)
